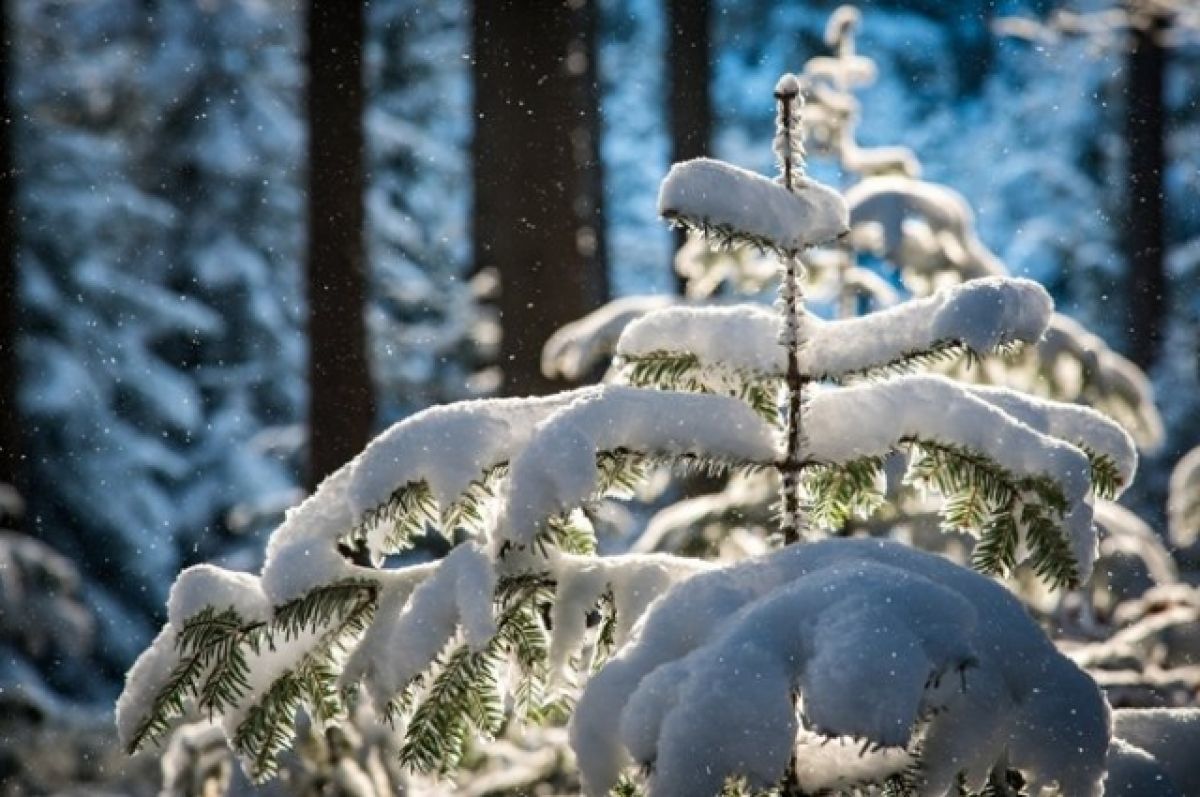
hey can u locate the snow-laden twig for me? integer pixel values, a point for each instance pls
(558, 470)
(446, 449)
(979, 316)
(737, 206)
(889, 202)
(414, 622)
(870, 420)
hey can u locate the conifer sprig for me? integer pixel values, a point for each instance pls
(984, 499)
(335, 613)
(723, 236)
(199, 645)
(668, 370)
(940, 352)
(411, 511)
(216, 648)
(466, 690)
(838, 492)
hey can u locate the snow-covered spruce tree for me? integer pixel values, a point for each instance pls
(844, 665)
(924, 232)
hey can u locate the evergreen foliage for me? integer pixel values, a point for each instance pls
(468, 638)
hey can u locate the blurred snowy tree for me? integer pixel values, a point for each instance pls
(1142, 33)
(160, 207)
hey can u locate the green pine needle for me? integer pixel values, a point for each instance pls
(839, 492)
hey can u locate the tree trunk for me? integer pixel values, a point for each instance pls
(689, 109)
(1145, 218)
(341, 402)
(10, 426)
(538, 199)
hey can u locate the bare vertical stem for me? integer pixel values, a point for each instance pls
(790, 152)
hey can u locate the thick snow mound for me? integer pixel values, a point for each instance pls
(876, 638)
(705, 192)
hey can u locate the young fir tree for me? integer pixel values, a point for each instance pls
(922, 231)
(926, 234)
(853, 666)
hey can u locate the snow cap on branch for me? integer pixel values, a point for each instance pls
(205, 586)
(787, 86)
(576, 348)
(557, 471)
(870, 420)
(981, 315)
(447, 448)
(739, 205)
(1081, 426)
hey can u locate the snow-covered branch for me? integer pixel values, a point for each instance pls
(980, 316)
(999, 456)
(421, 467)
(734, 206)
(580, 346)
(558, 470)
(950, 242)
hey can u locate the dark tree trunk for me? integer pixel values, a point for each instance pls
(1145, 218)
(689, 109)
(10, 427)
(538, 198)
(341, 403)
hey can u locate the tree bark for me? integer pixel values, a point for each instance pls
(341, 402)
(537, 176)
(1145, 217)
(689, 69)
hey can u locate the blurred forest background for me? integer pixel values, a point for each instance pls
(241, 235)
